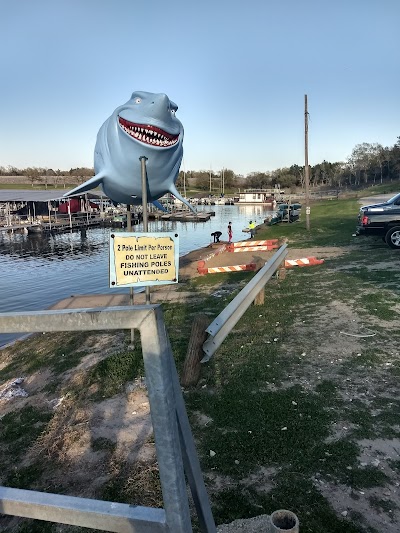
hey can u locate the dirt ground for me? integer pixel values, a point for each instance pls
(125, 418)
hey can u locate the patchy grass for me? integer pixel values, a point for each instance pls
(139, 483)
(332, 223)
(283, 405)
(19, 429)
(56, 351)
(111, 374)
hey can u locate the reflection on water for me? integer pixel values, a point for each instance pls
(39, 270)
(21, 247)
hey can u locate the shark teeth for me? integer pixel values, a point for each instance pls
(148, 134)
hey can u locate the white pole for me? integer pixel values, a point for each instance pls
(69, 213)
(48, 208)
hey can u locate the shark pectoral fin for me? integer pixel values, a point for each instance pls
(173, 191)
(87, 186)
(159, 206)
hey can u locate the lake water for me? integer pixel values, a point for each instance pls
(37, 271)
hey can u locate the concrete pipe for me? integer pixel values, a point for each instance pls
(283, 521)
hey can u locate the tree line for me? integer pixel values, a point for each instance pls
(47, 176)
(369, 163)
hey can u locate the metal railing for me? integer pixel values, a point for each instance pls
(220, 328)
(176, 452)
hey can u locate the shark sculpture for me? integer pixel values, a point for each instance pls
(145, 126)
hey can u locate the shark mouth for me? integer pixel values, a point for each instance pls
(148, 134)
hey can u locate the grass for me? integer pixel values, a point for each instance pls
(111, 374)
(19, 429)
(332, 223)
(287, 396)
(259, 413)
(57, 352)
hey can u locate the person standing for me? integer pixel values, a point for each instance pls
(229, 231)
(252, 228)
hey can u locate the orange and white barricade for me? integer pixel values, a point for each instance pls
(249, 242)
(250, 245)
(254, 248)
(202, 269)
(304, 261)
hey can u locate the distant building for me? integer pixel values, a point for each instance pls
(260, 196)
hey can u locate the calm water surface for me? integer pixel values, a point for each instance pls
(37, 271)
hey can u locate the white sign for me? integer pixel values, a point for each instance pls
(143, 259)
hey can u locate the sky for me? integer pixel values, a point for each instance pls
(238, 71)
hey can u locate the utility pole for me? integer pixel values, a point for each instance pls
(306, 167)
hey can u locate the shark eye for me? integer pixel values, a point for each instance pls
(138, 100)
(173, 111)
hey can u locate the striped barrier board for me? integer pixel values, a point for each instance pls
(268, 242)
(254, 248)
(304, 261)
(202, 269)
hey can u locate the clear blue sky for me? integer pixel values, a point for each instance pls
(237, 70)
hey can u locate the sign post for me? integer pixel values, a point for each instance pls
(143, 160)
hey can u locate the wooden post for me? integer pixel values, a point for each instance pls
(191, 368)
(260, 298)
(281, 272)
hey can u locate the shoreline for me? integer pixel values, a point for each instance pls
(162, 293)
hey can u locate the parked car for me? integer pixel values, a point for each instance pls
(382, 222)
(393, 203)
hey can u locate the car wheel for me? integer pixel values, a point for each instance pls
(393, 237)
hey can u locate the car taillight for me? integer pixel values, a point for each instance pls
(364, 220)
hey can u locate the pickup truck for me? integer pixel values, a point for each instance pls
(382, 222)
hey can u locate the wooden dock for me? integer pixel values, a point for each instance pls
(58, 226)
(187, 216)
(65, 225)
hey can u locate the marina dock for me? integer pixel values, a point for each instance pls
(40, 212)
(187, 216)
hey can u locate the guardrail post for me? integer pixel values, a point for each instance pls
(260, 298)
(192, 365)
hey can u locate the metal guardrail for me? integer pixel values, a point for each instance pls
(228, 318)
(176, 452)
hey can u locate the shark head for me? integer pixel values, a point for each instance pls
(150, 120)
(145, 126)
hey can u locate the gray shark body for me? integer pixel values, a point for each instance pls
(145, 126)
